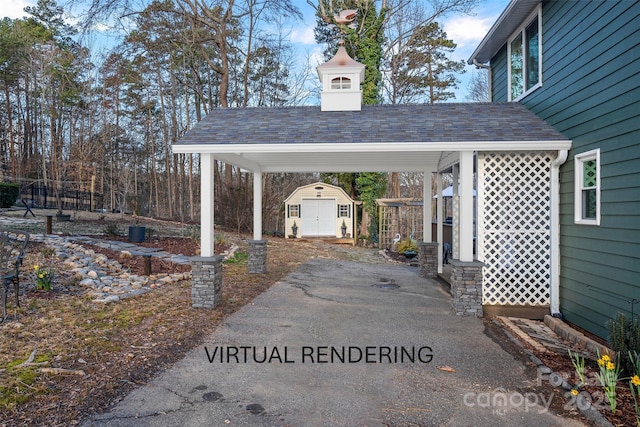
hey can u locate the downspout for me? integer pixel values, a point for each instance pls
(486, 67)
(554, 230)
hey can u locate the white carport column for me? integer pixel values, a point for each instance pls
(206, 269)
(427, 208)
(455, 211)
(465, 210)
(207, 165)
(257, 205)
(257, 246)
(439, 219)
(466, 274)
(428, 250)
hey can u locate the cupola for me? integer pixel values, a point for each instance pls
(341, 77)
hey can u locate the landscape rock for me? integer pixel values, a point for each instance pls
(104, 279)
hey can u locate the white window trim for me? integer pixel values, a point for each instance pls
(347, 208)
(521, 31)
(341, 83)
(577, 192)
(291, 208)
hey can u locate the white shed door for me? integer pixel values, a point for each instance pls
(318, 217)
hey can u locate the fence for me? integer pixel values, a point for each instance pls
(71, 199)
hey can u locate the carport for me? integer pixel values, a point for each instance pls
(516, 146)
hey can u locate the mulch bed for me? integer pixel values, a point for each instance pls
(173, 245)
(562, 365)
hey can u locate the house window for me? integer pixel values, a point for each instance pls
(344, 211)
(587, 188)
(525, 59)
(341, 83)
(294, 211)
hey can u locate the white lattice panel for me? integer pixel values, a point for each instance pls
(513, 227)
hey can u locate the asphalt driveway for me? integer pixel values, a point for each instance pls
(342, 344)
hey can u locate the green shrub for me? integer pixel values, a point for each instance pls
(407, 245)
(111, 230)
(150, 232)
(220, 239)
(238, 258)
(624, 339)
(193, 233)
(9, 193)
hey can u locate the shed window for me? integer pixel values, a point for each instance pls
(294, 211)
(341, 83)
(587, 188)
(344, 211)
(525, 60)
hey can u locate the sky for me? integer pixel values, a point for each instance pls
(466, 31)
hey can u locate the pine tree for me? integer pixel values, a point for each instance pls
(423, 70)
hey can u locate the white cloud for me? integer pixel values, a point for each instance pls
(303, 35)
(101, 27)
(14, 8)
(316, 57)
(468, 30)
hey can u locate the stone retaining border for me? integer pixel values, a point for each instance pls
(573, 336)
(104, 279)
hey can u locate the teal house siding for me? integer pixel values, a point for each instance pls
(591, 93)
(499, 76)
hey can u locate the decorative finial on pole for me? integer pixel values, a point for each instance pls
(345, 19)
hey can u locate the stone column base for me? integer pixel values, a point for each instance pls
(466, 288)
(206, 282)
(257, 256)
(428, 259)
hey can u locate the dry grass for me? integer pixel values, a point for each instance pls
(111, 348)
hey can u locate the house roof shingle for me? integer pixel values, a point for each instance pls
(446, 122)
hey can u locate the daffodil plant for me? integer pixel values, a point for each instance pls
(608, 377)
(44, 277)
(634, 384)
(578, 363)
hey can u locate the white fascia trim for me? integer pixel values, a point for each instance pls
(374, 147)
(238, 160)
(506, 13)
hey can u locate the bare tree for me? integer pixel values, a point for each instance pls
(479, 86)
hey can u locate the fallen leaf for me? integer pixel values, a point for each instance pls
(446, 368)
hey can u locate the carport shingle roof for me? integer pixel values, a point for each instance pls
(447, 122)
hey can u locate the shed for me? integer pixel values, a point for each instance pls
(319, 210)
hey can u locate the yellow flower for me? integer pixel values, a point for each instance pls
(606, 358)
(610, 366)
(601, 362)
(40, 275)
(574, 392)
(35, 267)
(635, 380)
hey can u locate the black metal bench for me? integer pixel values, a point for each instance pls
(13, 245)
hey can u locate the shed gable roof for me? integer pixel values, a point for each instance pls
(319, 184)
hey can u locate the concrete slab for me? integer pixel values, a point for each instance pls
(378, 315)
